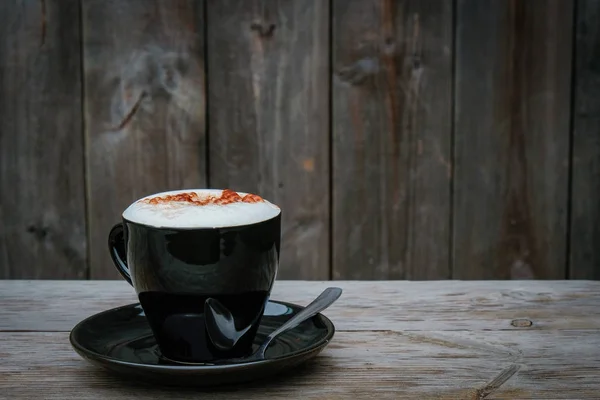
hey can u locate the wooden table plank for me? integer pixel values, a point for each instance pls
(391, 104)
(144, 107)
(387, 364)
(42, 201)
(389, 305)
(268, 97)
(396, 340)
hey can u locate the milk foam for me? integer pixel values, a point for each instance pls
(188, 215)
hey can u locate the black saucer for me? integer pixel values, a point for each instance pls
(120, 340)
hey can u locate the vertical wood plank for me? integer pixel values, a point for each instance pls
(392, 98)
(268, 101)
(585, 188)
(513, 71)
(42, 201)
(144, 107)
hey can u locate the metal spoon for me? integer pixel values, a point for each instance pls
(325, 299)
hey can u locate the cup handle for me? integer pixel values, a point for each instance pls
(116, 246)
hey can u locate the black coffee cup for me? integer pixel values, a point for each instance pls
(202, 289)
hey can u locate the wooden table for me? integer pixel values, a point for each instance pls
(396, 340)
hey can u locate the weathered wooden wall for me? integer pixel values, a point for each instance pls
(404, 139)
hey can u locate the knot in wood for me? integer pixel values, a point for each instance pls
(389, 47)
(356, 73)
(39, 232)
(264, 30)
(521, 323)
(416, 62)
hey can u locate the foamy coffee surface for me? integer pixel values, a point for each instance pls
(200, 208)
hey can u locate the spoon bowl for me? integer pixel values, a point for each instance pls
(219, 319)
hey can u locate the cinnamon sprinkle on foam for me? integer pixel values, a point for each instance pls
(227, 197)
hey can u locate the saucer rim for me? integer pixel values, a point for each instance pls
(93, 356)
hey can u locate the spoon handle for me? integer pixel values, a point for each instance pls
(324, 300)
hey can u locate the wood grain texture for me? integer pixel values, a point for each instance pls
(396, 305)
(392, 99)
(513, 71)
(42, 200)
(382, 365)
(585, 188)
(371, 355)
(269, 117)
(145, 106)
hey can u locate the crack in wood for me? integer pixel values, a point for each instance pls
(131, 112)
(497, 382)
